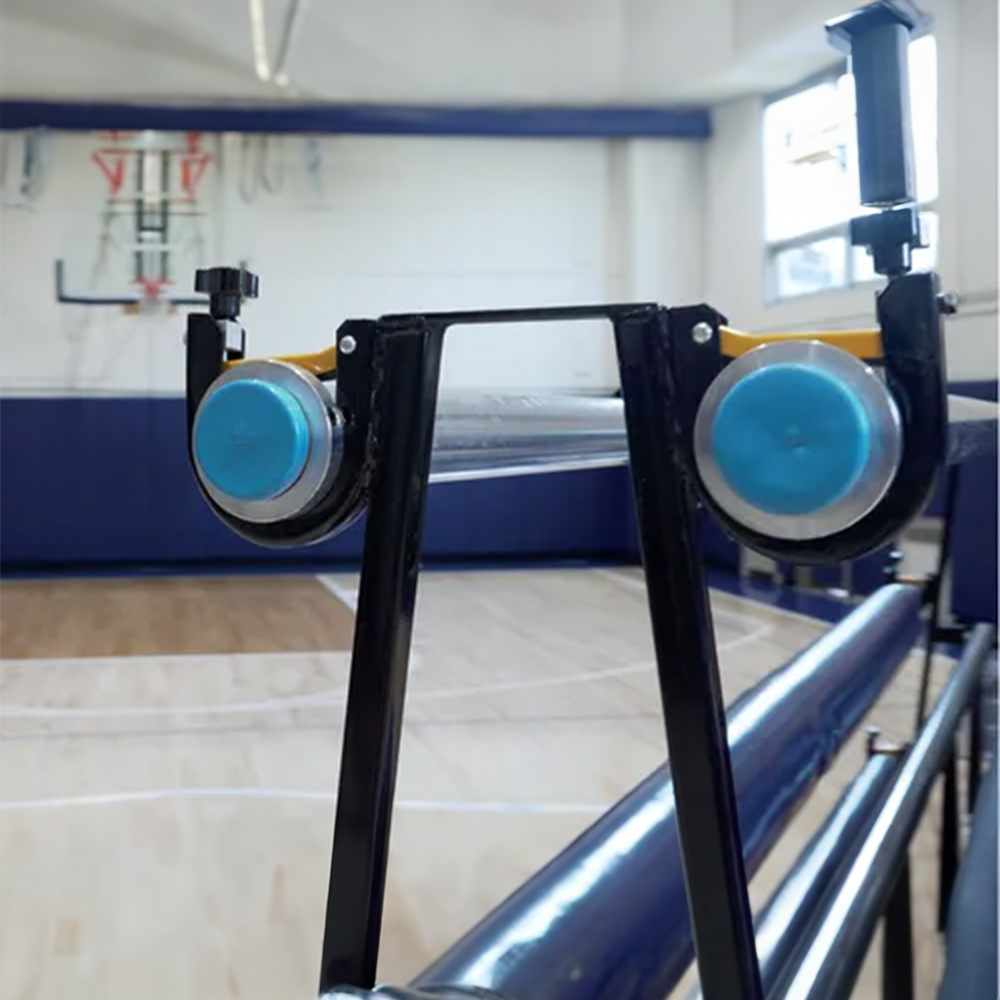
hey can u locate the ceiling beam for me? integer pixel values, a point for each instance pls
(561, 122)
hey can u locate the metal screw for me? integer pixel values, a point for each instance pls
(348, 345)
(948, 303)
(702, 333)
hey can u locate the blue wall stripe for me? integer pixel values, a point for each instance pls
(106, 481)
(974, 591)
(367, 119)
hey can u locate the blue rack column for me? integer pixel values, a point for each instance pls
(408, 363)
(687, 668)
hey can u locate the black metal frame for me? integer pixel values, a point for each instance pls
(392, 372)
(403, 355)
(386, 390)
(897, 940)
(687, 668)
(373, 725)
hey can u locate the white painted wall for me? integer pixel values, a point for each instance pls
(395, 224)
(411, 223)
(966, 33)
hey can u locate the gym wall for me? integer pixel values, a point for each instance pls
(92, 416)
(90, 413)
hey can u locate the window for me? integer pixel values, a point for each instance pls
(811, 180)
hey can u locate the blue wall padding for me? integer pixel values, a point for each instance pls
(106, 482)
(88, 481)
(974, 545)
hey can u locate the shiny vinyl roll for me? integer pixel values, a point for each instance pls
(498, 435)
(493, 436)
(476, 437)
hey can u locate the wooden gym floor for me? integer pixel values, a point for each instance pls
(169, 757)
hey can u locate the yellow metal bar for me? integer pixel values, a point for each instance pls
(864, 344)
(321, 363)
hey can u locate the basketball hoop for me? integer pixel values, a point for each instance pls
(151, 296)
(151, 288)
(150, 225)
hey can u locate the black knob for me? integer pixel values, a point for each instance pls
(226, 288)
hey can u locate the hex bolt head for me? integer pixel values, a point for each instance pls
(702, 333)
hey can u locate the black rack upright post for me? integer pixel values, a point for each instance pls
(897, 940)
(948, 849)
(708, 826)
(406, 380)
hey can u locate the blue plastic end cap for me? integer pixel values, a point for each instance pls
(251, 439)
(791, 439)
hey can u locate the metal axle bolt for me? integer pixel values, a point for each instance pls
(702, 333)
(348, 345)
(948, 303)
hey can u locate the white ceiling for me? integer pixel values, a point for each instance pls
(414, 51)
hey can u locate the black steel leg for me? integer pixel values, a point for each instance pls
(949, 838)
(404, 424)
(688, 672)
(897, 940)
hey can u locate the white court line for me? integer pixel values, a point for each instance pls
(317, 700)
(335, 697)
(758, 629)
(348, 596)
(409, 805)
(167, 659)
(748, 602)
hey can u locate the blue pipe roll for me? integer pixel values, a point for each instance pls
(828, 965)
(780, 927)
(607, 918)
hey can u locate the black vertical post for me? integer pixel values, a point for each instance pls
(879, 64)
(408, 363)
(897, 940)
(688, 673)
(948, 857)
(877, 38)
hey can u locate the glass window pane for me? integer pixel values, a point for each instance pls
(862, 266)
(813, 267)
(923, 106)
(811, 182)
(811, 150)
(926, 258)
